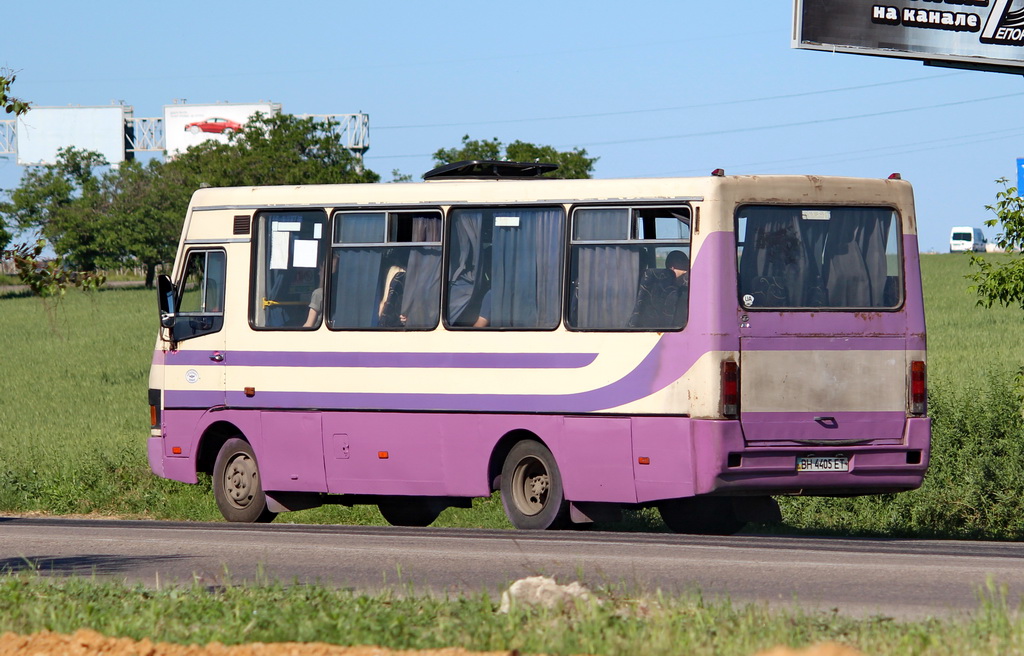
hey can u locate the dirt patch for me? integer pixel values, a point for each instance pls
(91, 643)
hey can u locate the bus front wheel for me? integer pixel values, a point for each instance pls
(531, 488)
(236, 484)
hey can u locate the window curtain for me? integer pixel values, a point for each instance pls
(854, 266)
(357, 272)
(607, 277)
(464, 264)
(421, 298)
(526, 270)
(778, 265)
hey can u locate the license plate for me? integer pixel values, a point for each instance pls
(823, 464)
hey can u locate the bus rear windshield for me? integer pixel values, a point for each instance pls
(818, 258)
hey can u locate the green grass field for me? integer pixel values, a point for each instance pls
(73, 427)
(74, 417)
(622, 624)
(966, 343)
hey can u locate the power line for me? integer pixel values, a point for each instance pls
(629, 112)
(801, 123)
(899, 149)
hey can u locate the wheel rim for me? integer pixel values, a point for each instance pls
(241, 479)
(530, 486)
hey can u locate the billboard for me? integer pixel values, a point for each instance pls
(982, 34)
(43, 130)
(188, 125)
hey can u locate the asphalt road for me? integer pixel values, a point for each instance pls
(861, 577)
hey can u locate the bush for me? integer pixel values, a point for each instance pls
(975, 482)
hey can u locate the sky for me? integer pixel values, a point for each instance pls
(651, 88)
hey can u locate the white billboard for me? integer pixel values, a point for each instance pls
(42, 131)
(983, 34)
(188, 125)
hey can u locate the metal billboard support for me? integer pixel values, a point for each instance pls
(8, 138)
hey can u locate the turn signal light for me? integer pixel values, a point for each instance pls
(383, 455)
(918, 388)
(730, 388)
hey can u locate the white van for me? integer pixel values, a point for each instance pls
(963, 239)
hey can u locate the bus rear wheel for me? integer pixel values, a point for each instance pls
(701, 516)
(236, 484)
(411, 511)
(531, 488)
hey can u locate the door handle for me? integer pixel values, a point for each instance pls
(217, 357)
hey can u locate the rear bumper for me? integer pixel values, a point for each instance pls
(726, 465)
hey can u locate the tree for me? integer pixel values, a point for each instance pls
(571, 164)
(17, 107)
(10, 104)
(132, 214)
(279, 149)
(1003, 282)
(61, 202)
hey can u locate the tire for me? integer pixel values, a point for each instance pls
(236, 484)
(411, 511)
(531, 488)
(195, 129)
(701, 516)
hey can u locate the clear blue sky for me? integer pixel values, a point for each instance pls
(651, 88)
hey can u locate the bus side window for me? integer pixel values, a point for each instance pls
(629, 268)
(288, 268)
(387, 272)
(505, 267)
(201, 295)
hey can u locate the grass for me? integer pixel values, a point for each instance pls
(621, 623)
(966, 343)
(73, 417)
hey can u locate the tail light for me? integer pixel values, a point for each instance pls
(918, 388)
(730, 389)
(154, 408)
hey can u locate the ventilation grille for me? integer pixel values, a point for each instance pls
(242, 225)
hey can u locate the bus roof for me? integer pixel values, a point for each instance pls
(791, 189)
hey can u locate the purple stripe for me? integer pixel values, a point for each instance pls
(388, 360)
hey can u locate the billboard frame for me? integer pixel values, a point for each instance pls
(963, 34)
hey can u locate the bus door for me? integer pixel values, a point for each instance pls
(824, 328)
(195, 369)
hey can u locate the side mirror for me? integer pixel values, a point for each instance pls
(165, 300)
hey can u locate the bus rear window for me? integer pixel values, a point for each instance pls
(818, 257)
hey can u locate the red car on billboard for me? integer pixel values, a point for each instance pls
(214, 125)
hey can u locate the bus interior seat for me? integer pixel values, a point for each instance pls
(656, 298)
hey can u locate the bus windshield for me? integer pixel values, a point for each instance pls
(843, 258)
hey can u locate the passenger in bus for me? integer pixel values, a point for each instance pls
(483, 319)
(663, 297)
(389, 312)
(316, 304)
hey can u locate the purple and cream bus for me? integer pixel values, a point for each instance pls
(692, 344)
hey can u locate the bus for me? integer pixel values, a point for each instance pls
(697, 345)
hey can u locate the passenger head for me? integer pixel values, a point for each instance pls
(677, 260)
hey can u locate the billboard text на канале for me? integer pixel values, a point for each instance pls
(973, 33)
